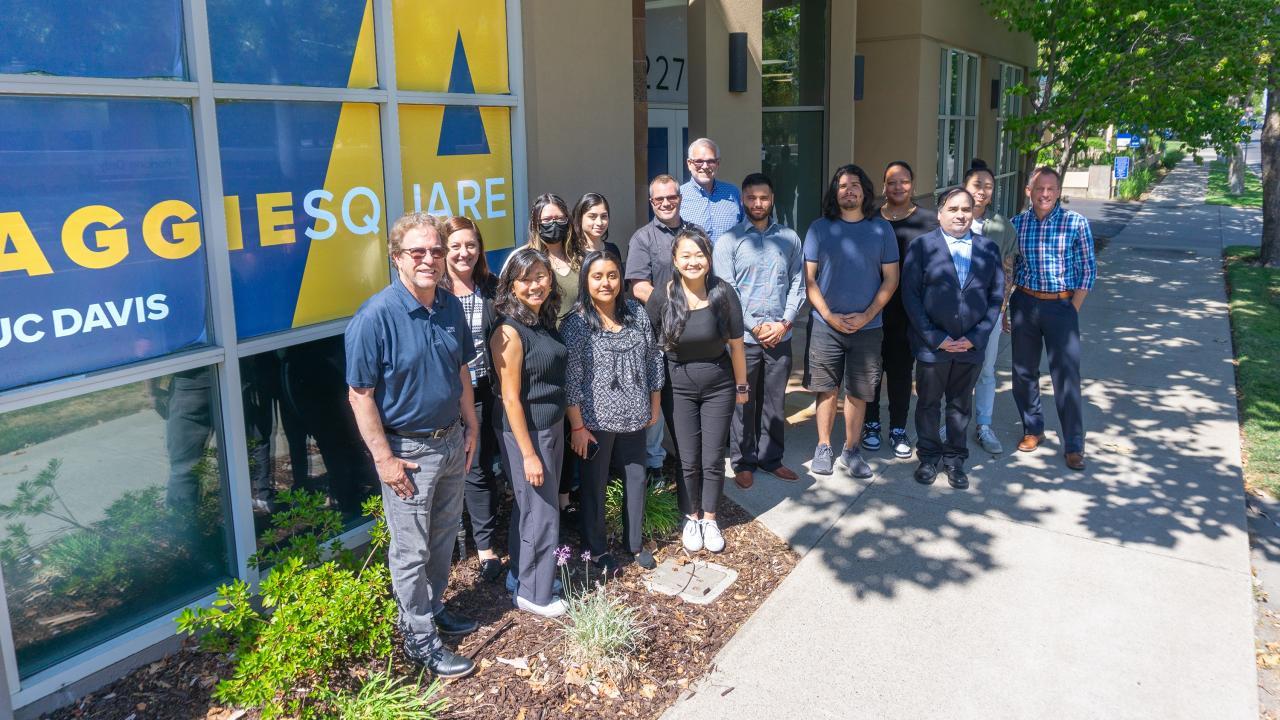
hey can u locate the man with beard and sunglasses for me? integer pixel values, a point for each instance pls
(761, 258)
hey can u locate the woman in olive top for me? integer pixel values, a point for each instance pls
(469, 279)
(699, 322)
(613, 387)
(981, 184)
(529, 358)
(909, 222)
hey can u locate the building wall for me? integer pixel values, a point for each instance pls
(731, 119)
(580, 114)
(841, 126)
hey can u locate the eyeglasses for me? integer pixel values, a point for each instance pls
(420, 254)
(700, 163)
(665, 200)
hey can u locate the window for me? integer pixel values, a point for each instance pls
(1008, 159)
(794, 77)
(189, 220)
(957, 115)
(114, 512)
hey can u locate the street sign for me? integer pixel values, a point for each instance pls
(1123, 140)
(1121, 168)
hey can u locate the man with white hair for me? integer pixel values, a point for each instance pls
(706, 202)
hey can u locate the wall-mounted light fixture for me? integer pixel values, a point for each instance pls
(737, 62)
(995, 93)
(859, 64)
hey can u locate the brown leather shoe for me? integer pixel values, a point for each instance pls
(782, 472)
(745, 479)
(1030, 443)
(1075, 461)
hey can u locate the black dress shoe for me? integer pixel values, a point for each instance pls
(491, 569)
(956, 477)
(606, 564)
(445, 663)
(449, 623)
(926, 473)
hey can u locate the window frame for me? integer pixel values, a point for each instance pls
(224, 350)
(960, 113)
(1007, 160)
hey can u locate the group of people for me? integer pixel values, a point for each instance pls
(573, 366)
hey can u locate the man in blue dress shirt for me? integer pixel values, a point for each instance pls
(706, 202)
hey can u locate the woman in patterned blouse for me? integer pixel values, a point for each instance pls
(612, 388)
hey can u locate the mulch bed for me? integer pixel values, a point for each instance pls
(681, 642)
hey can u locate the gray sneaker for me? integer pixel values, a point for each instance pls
(823, 460)
(988, 440)
(851, 461)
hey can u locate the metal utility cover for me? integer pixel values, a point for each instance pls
(697, 582)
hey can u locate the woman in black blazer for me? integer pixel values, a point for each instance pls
(952, 288)
(469, 279)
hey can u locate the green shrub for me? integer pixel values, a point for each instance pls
(314, 620)
(1132, 187)
(299, 530)
(661, 510)
(1171, 158)
(383, 697)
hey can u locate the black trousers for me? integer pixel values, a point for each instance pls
(953, 380)
(626, 450)
(1055, 326)
(897, 360)
(482, 488)
(702, 399)
(756, 435)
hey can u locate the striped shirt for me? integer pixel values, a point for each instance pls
(961, 254)
(1056, 253)
(715, 211)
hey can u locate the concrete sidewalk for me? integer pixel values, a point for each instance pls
(1121, 592)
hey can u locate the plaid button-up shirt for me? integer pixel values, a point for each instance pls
(1056, 253)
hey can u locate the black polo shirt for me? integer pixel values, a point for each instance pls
(411, 356)
(649, 252)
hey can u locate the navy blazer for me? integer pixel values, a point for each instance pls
(938, 308)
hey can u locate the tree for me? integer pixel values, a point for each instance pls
(1270, 255)
(1177, 65)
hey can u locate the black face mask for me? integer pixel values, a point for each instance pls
(553, 231)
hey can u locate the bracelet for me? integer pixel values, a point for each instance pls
(580, 427)
(743, 388)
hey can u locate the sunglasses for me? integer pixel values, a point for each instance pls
(420, 254)
(665, 200)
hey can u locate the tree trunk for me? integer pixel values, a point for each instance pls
(1270, 255)
(1235, 171)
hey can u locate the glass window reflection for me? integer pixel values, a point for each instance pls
(113, 510)
(793, 153)
(794, 68)
(134, 39)
(302, 434)
(324, 43)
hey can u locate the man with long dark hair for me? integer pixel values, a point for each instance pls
(851, 270)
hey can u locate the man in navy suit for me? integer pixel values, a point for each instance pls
(952, 288)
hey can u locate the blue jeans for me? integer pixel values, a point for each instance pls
(655, 454)
(423, 530)
(984, 393)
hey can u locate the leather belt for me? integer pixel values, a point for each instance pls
(1065, 294)
(425, 434)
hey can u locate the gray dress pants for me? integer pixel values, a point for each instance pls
(423, 530)
(535, 524)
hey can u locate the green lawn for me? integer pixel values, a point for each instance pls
(1217, 194)
(1255, 330)
(41, 423)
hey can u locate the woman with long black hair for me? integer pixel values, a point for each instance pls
(613, 387)
(529, 357)
(699, 322)
(468, 278)
(589, 228)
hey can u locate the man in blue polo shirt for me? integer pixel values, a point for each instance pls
(407, 352)
(706, 202)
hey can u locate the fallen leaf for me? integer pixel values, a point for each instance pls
(517, 663)
(648, 691)
(575, 676)
(520, 715)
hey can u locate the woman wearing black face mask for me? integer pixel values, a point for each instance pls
(549, 234)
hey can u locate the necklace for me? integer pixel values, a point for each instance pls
(890, 215)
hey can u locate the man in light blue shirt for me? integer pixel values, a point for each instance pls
(706, 202)
(764, 261)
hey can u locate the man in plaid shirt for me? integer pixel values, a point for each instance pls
(1055, 272)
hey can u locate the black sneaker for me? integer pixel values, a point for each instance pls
(871, 436)
(606, 564)
(655, 477)
(491, 569)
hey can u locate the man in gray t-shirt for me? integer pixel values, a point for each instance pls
(851, 270)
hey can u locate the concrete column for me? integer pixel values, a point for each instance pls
(842, 47)
(732, 120)
(580, 105)
(640, 119)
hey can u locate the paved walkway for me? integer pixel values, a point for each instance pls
(1122, 592)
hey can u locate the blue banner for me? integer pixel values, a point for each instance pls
(102, 258)
(133, 39)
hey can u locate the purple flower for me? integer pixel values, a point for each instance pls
(586, 556)
(562, 555)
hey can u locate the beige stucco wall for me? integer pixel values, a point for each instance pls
(842, 136)
(731, 119)
(579, 105)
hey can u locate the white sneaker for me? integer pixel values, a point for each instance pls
(555, 608)
(711, 537)
(692, 535)
(988, 440)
